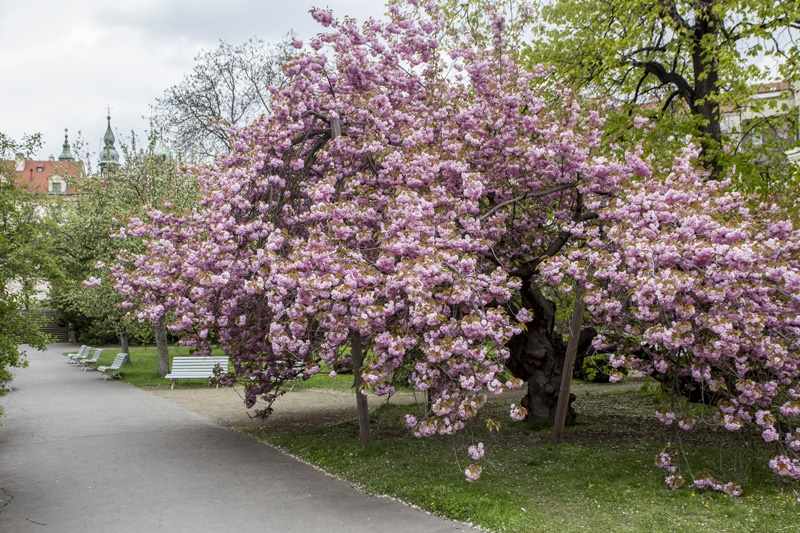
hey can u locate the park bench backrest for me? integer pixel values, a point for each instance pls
(198, 364)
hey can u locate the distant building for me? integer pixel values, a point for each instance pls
(52, 177)
(769, 124)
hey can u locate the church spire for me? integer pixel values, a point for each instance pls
(66, 152)
(109, 158)
(161, 152)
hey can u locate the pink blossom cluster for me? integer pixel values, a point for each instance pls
(473, 472)
(675, 481)
(476, 451)
(692, 287)
(785, 466)
(664, 460)
(731, 489)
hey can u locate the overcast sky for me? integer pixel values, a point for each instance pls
(64, 61)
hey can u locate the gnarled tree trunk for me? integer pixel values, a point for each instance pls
(537, 357)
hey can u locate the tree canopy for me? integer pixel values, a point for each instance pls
(405, 202)
(397, 200)
(27, 258)
(691, 59)
(227, 87)
(105, 204)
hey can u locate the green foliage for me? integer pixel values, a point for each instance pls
(27, 259)
(106, 203)
(595, 368)
(681, 64)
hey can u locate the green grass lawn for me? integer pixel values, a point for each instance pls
(603, 477)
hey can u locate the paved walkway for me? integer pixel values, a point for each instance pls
(81, 454)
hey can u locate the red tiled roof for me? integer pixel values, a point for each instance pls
(37, 173)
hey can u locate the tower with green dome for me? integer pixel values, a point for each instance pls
(109, 157)
(161, 152)
(66, 152)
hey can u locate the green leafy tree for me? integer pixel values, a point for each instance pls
(678, 63)
(27, 259)
(147, 179)
(685, 60)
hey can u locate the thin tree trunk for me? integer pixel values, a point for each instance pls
(569, 364)
(161, 345)
(123, 342)
(357, 354)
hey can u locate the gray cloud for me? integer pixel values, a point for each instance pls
(89, 53)
(208, 21)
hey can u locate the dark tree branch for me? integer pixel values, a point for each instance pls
(528, 269)
(670, 78)
(674, 15)
(537, 194)
(669, 100)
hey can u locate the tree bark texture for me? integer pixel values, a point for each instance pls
(537, 357)
(161, 345)
(357, 354)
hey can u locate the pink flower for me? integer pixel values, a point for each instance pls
(323, 17)
(523, 315)
(476, 452)
(770, 434)
(784, 466)
(518, 413)
(675, 481)
(663, 460)
(666, 417)
(791, 408)
(731, 424)
(473, 472)
(639, 122)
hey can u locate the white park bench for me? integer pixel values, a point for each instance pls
(194, 367)
(73, 357)
(91, 361)
(113, 369)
